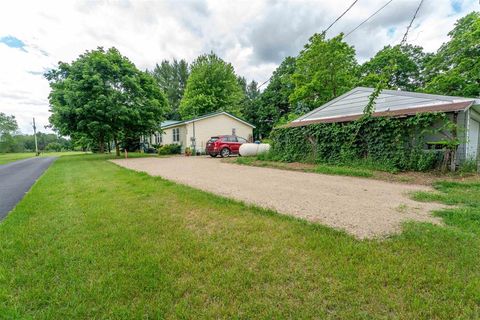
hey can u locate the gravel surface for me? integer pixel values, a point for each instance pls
(365, 208)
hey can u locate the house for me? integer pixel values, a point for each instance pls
(195, 133)
(349, 107)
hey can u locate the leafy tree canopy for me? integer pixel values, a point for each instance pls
(324, 70)
(8, 125)
(455, 69)
(172, 79)
(404, 65)
(212, 86)
(274, 101)
(103, 96)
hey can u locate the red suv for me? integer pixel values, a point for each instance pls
(224, 145)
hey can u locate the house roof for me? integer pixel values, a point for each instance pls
(350, 105)
(166, 124)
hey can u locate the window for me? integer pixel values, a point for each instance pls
(241, 140)
(231, 139)
(234, 132)
(176, 134)
(158, 138)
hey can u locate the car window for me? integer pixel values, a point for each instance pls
(213, 139)
(232, 139)
(241, 140)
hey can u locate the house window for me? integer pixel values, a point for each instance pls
(158, 138)
(176, 134)
(234, 132)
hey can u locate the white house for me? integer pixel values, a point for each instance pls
(195, 133)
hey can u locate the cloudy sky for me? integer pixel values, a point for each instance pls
(253, 35)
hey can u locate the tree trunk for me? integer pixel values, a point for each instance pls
(117, 147)
(101, 145)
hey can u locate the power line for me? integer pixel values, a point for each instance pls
(411, 22)
(348, 9)
(364, 21)
(328, 28)
(264, 82)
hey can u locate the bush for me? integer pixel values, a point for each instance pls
(469, 166)
(170, 149)
(53, 146)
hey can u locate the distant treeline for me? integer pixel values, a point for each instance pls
(26, 143)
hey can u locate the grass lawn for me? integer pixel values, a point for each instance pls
(93, 240)
(359, 170)
(10, 157)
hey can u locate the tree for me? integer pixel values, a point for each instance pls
(212, 86)
(455, 68)
(8, 127)
(324, 70)
(404, 65)
(104, 97)
(251, 102)
(172, 79)
(274, 101)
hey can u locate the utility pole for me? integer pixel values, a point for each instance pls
(35, 135)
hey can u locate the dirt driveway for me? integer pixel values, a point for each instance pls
(365, 208)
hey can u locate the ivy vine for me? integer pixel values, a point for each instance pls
(395, 143)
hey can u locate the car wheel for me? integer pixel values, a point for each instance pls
(224, 153)
(213, 155)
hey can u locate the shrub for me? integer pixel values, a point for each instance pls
(170, 149)
(469, 166)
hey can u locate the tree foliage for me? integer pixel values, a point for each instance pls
(103, 96)
(455, 69)
(172, 78)
(404, 65)
(325, 69)
(8, 127)
(212, 86)
(274, 103)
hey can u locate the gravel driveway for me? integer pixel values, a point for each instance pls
(365, 208)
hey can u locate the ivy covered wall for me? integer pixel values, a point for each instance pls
(395, 143)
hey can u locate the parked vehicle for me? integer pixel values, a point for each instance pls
(224, 145)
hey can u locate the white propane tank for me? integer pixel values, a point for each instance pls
(253, 149)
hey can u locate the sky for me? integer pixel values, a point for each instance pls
(255, 36)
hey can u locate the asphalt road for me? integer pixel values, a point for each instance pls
(16, 178)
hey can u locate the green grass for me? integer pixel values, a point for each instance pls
(10, 157)
(319, 168)
(93, 240)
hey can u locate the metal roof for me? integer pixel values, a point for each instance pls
(168, 123)
(350, 105)
(205, 116)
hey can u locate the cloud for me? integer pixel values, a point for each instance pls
(254, 36)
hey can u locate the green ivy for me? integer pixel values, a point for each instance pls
(393, 143)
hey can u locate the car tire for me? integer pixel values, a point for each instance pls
(213, 155)
(225, 153)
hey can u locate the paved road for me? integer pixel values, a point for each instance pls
(16, 178)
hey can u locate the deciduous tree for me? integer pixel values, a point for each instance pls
(325, 69)
(404, 64)
(455, 68)
(103, 96)
(212, 86)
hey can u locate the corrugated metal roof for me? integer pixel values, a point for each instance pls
(350, 105)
